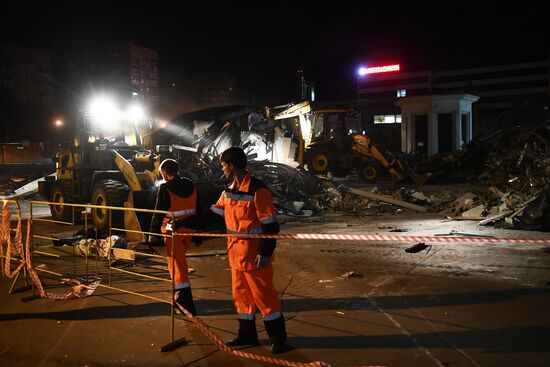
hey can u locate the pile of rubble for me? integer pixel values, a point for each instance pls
(515, 163)
(380, 199)
(292, 188)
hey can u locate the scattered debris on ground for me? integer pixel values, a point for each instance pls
(515, 164)
(509, 172)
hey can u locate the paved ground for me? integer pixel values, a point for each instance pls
(456, 305)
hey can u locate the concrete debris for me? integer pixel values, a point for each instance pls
(475, 212)
(448, 217)
(387, 199)
(420, 197)
(351, 274)
(515, 163)
(292, 188)
(102, 247)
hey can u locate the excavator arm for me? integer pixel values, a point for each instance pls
(365, 146)
(301, 111)
(290, 110)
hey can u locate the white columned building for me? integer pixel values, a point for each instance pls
(433, 124)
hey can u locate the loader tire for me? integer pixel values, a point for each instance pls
(108, 193)
(320, 162)
(60, 193)
(369, 171)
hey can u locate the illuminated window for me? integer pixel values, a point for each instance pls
(387, 119)
(401, 93)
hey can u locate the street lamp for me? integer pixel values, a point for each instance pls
(58, 123)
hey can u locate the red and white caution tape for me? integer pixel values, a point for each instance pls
(378, 238)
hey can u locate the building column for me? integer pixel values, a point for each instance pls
(457, 130)
(469, 128)
(433, 144)
(406, 129)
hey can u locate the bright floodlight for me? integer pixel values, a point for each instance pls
(103, 111)
(362, 71)
(58, 122)
(136, 113)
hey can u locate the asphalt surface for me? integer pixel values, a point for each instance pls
(346, 303)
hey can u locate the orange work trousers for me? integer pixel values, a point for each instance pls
(180, 273)
(254, 288)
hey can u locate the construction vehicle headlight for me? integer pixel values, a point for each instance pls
(103, 111)
(136, 113)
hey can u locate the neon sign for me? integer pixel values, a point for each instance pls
(378, 69)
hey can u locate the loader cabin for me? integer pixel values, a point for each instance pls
(97, 132)
(334, 123)
(130, 131)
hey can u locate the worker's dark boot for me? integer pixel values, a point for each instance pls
(276, 330)
(247, 334)
(184, 298)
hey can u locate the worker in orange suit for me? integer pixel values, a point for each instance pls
(177, 195)
(247, 206)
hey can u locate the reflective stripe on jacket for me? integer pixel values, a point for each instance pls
(244, 210)
(182, 207)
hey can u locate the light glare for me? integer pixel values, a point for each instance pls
(136, 112)
(103, 111)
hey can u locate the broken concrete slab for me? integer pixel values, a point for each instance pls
(386, 199)
(475, 212)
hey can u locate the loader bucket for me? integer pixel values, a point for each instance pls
(131, 221)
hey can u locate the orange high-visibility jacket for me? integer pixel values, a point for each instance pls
(182, 207)
(245, 209)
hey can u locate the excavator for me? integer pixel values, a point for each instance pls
(329, 141)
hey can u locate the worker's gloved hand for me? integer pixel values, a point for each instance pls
(197, 240)
(261, 261)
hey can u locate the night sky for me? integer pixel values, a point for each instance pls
(264, 44)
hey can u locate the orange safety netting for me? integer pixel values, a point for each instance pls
(15, 248)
